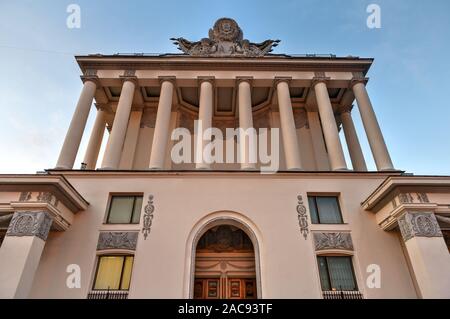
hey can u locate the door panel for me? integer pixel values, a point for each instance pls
(230, 288)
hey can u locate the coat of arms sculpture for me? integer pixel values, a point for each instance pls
(225, 39)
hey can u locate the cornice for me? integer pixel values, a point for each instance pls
(390, 186)
(253, 64)
(55, 183)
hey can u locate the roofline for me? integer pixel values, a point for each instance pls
(183, 61)
(32, 182)
(391, 183)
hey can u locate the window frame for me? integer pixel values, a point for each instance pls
(110, 201)
(99, 257)
(328, 271)
(337, 197)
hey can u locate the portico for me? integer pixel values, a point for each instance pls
(229, 98)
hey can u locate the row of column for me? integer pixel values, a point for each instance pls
(335, 152)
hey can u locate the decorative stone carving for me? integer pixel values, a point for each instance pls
(302, 217)
(30, 224)
(423, 198)
(129, 73)
(45, 197)
(225, 39)
(25, 196)
(341, 241)
(90, 72)
(148, 217)
(419, 224)
(405, 198)
(117, 240)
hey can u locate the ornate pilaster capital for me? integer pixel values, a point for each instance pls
(419, 224)
(129, 75)
(28, 223)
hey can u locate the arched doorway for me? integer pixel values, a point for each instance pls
(225, 265)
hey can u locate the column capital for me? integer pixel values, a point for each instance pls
(129, 75)
(170, 78)
(280, 79)
(91, 78)
(248, 79)
(30, 223)
(358, 79)
(210, 79)
(319, 79)
(419, 224)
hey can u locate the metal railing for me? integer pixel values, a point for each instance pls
(342, 295)
(108, 294)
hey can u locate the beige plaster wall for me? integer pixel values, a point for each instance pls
(267, 204)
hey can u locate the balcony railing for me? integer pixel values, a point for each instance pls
(342, 295)
(108, 294)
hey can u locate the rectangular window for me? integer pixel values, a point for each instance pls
(113, 273)
(124, 210)
(325, 210)
(336, 273)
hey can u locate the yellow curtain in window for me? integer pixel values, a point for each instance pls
(126, 277)
(109, 271)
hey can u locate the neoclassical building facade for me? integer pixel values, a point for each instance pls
(137, 222)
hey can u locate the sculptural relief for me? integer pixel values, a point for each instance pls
(225, 39)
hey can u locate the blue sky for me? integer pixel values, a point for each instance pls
(409, 85)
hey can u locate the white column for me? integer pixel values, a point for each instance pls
(129, 146)
(288, 130)
(205, 117)
(95, 141)
(21, 252)
(329, 127)
(113, 150)
(318, 143)
(354, 148)
(246, 123)
(161, 135)
(428, 253)
(373, 131)
(75, 132)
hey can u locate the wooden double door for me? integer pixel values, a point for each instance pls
(225, 265)
(225, 288)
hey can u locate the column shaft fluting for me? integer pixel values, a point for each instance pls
(113, 150)
(354, 148)
(95, 141)
(161, 135)
(372, 128)
(329, 127)
(205, 118)
(74, 134)
(288, 130)
(246, 123)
